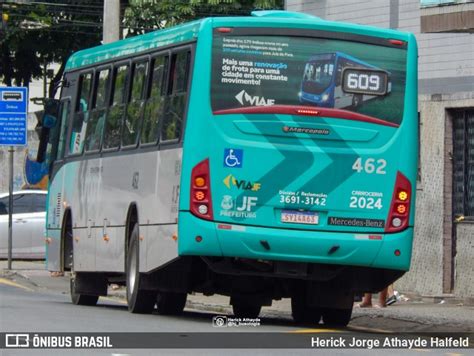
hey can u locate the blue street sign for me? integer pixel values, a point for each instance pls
(13, 116)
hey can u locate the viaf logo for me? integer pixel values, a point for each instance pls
(242, 184)
(254, 100)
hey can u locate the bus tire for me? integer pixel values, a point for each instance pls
(139, 301)
(302, 312)
(80, 299)
(245, 309)
(337, 317)
(169, 303)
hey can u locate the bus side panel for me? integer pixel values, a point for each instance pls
(161, 245)
(54, 218)
(84, 250)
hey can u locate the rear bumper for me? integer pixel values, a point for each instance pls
(352, 249)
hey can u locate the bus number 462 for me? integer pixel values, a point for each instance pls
(370, 165)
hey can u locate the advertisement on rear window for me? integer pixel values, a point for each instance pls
(264, 70)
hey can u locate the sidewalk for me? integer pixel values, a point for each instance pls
(415, 314)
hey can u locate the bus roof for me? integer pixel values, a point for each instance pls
(137, 44)
(189, 31)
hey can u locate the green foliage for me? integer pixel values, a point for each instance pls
(39, 34)
(143, 16)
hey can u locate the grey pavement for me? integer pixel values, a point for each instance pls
(414, 313)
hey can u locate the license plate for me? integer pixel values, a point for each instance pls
(299, 217)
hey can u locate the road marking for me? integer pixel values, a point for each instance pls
(350, 328)
(13, 284)
(453, 354)
(370, 330)
(311, 331)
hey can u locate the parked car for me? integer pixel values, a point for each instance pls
(29, 216)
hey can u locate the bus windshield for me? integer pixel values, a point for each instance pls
(318, 76)
(262, 70)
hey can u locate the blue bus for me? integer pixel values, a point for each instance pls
(322, 81)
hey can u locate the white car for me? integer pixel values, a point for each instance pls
(29, 216)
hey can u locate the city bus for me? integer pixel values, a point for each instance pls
(322, 79)
(183, 161)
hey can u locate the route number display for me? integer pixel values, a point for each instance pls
(364, 81)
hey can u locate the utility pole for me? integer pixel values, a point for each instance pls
(10, 208)
(111, 29)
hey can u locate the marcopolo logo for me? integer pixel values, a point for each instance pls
(254, 100)
(306, 130)
(232, 181)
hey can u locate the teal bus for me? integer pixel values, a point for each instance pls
(183, 161)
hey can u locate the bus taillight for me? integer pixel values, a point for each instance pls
(201, 202)
(399, 213)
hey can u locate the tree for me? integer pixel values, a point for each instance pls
(39, 34)
(143, 16)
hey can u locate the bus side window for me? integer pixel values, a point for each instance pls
(135, 105)
(176, 100)
(341, 64)
(99, 108)
(64, 117)
(114, 116)
(81, 114)
(155, 99)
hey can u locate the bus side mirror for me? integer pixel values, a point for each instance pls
(47, 122)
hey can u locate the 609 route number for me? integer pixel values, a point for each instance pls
(370, 165)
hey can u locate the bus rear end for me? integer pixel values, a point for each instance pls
(284, 199)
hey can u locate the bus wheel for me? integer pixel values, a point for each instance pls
(356, 100)
(168, 303)
(139, 300)
(302, 312)
(245, 309)
(77, 278)
(337, 317)
(80, 299)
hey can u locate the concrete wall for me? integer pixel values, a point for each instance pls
(464, 272)
(431, 259)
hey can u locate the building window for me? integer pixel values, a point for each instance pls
(463, 163)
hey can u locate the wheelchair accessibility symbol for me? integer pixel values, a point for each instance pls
(233, 157)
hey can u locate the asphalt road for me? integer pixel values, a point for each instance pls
(25, 309)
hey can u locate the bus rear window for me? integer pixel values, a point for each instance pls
(265, 70)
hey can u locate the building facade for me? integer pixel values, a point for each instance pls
(443, 254)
